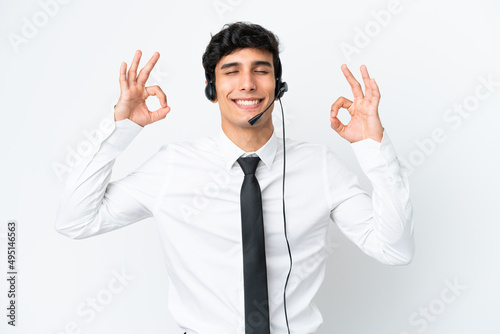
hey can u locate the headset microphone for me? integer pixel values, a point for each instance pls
(282, 89)
(256, 117)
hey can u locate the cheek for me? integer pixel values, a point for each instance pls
(223, 88)
(268, 86)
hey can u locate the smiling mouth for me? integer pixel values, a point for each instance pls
(248, 103)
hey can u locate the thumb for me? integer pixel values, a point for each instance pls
(159, 114)
(336, 124)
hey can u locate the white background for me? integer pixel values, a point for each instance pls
(61, 79)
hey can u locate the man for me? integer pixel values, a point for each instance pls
(193, 191)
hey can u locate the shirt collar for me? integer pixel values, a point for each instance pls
(231, 152)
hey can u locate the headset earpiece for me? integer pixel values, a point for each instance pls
(281, 88)
(210, 91)
(210, 88)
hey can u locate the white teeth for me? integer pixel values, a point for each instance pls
(247, 102)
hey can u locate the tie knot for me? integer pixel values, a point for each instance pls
(249, 165)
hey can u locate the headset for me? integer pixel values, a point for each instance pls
(279, 91)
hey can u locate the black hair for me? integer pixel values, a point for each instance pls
(239, 35)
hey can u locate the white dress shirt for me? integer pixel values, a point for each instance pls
(193, 192)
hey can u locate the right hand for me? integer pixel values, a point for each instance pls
(133, 93)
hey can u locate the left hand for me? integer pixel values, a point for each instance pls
(365, 122)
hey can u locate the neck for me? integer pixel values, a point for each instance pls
(249, 139)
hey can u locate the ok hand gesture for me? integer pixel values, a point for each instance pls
(365, 122)
(133, 93)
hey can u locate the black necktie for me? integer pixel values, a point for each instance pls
(254, 253)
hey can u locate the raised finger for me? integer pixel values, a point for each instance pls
(375, 93)
(158, 92)
(146, 70)
(355, 86)
(123, 77)
(132, 72)
(366, 81)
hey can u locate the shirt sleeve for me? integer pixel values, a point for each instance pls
(381, 225)
(90, 204)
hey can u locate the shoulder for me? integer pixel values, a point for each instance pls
(294, 146)
(194, 146)
(192, 152)
(311, 154)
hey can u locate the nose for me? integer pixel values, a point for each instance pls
(247, 82)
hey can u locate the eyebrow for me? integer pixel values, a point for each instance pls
(255, 63)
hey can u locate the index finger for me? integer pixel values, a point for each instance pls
(355, 86)
(146, 70)
(132, 72)
(123, 77)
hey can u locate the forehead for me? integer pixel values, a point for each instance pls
(246, 56)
